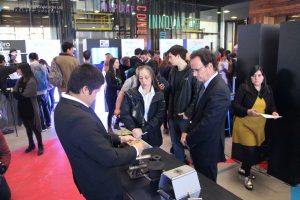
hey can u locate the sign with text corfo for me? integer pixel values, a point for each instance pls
(129, 45)
(195, 44)
(166, 44)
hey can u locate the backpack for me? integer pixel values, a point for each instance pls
(55, 75)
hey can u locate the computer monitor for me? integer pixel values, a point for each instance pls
(98, 54)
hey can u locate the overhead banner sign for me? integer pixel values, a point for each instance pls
(170, 22)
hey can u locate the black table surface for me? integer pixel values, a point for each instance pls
(140, 189)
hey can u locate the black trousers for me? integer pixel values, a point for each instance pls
(209, 170)
(29, 125)
(111, 103)
(4, 189)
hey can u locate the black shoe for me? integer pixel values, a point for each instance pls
(7, 131)
(242, 172)
(29, 148)
(171, 150)
(40, 151)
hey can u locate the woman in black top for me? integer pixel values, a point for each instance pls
(252, 99)
(114, 84)
(143, 108)
(25, 92)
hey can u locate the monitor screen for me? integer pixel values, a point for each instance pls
(98, 54)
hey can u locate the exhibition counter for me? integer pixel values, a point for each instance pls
(140, 188)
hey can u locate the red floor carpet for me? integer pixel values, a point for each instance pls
(46, 177)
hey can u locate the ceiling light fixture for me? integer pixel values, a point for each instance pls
(6, 7)
(295, 16)
(234, 17)
(226, 11)
(218, 12)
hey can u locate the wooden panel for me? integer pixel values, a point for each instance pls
(273, 8)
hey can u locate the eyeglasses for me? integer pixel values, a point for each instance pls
(198, 69)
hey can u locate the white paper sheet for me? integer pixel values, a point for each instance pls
(270, 116)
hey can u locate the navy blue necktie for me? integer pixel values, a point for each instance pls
(201, 91)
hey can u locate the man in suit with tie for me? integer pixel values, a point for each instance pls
(90, 149)
(205, 134)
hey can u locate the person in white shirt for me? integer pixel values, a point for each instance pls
(143, 108)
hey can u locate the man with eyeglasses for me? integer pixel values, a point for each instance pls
(205, 134)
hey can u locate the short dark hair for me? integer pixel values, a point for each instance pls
(33, 56)
(178, 50)
(154, 66)
(43, 62)
(85, 75)
(138, 51)
(66, 45)
(12, 50)
(151, 52)
(206, 47)
(87, 54)
(206, 57)
(144, 52)
(2, 58)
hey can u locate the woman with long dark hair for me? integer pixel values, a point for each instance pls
(114, 84)
(25, 92)
(143, 108)
(252, 99)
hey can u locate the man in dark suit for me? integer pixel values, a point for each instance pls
(90, 149)
(205, 133)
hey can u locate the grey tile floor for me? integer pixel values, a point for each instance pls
(265, 186)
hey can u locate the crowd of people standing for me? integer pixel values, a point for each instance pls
(186, 95)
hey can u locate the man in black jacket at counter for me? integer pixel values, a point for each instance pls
(182, 95)
(93, 158)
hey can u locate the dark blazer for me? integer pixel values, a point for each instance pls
(90, 150)
(156, 115)
(246, 96)
(206, 130)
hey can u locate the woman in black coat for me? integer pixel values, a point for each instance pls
(114, 84)
(25, 92)
(143, 108)
(252, 99)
